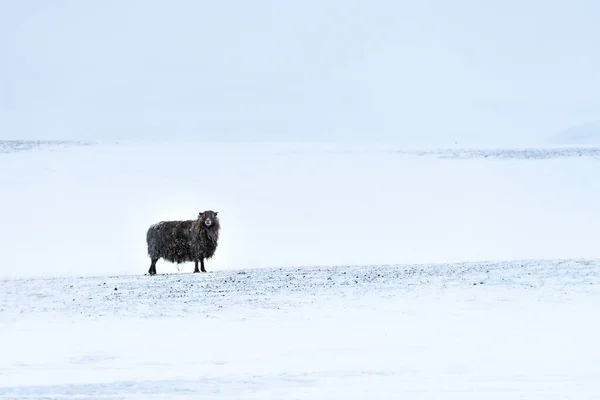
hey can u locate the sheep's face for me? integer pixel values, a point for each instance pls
(208, 218)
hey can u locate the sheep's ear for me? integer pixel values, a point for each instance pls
(200, 215)
(216, 213)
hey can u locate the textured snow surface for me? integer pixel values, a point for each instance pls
(508, 154)
(510, 330)
(176, 294)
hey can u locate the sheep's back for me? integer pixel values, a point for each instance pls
(171, 241)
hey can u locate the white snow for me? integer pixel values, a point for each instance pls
(343, 272)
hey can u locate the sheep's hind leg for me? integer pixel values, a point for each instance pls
(196, 267)
(152, 270)
(201, 265)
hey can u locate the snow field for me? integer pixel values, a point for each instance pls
(84, 211)
(345, 272)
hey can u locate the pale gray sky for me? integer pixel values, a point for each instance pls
(408, 71)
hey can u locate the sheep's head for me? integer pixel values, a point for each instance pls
(208, 219)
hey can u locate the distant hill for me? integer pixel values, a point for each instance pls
(13, 146)
(588, 133)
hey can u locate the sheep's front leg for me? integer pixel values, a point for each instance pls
(196, 266)
(202, 265)
(152, 270)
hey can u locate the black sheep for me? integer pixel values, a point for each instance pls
(184, 241)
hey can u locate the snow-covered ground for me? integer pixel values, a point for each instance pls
(347, 272)
(512, 330)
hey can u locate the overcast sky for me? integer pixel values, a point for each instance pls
(391, 70)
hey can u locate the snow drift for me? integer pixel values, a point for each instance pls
(585, 134)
